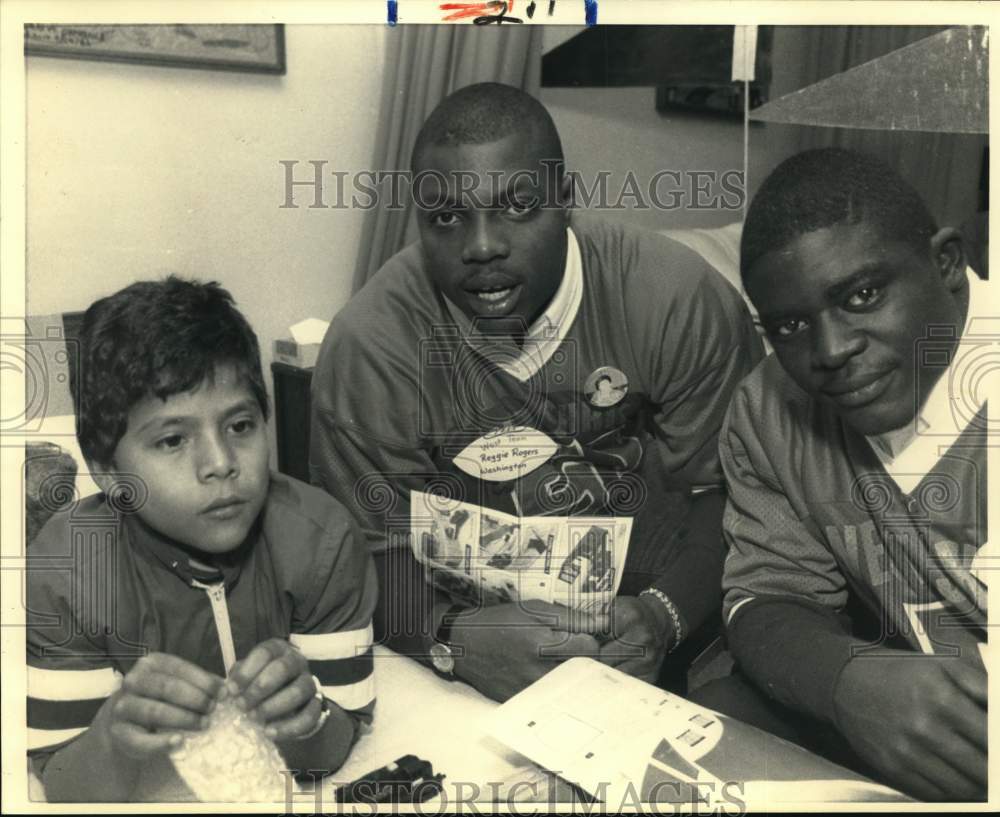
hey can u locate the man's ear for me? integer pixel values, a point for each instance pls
(949, 255)
(566, 191)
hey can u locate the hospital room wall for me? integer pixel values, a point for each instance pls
(135, 171)
(138, 171)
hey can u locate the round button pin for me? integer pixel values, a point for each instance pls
(606, 387)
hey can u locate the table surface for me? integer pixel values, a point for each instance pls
(419, 713)
(447, 723)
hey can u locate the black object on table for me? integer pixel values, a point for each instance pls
(408, 780)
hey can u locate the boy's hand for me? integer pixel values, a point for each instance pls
(161, 697)
(274, 685)
(920, 720)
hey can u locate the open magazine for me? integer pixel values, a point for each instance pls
(482, 556)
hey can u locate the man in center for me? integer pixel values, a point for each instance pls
(496, 329)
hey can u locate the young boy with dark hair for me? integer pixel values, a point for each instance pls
(197, 574)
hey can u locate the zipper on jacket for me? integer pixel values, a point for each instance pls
(220, 612)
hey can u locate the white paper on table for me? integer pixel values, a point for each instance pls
(778, 792)
(600, 729)
(617, 737)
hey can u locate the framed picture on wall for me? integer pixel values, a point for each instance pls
(257, 48)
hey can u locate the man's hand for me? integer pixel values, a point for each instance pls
(920, 720)
(506, 647)
(274, 685)
(634, 635)
(161, 697)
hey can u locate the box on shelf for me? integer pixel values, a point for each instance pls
(292, 353)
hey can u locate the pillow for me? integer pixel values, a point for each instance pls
(720, 247)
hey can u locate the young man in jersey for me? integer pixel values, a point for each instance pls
(506, 314)
(856, 470)
(197, 574)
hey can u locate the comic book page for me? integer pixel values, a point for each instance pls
(483, 556)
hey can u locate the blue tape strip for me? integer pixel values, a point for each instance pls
(591, 8)
(392, 11)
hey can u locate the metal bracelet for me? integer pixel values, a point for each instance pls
(672, 611)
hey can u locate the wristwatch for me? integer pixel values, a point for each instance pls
(441, 651)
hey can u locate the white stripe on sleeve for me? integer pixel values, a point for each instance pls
(72, 685)
(352, 696)
(333, 646)
(40, 738)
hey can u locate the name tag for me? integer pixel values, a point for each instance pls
(506, 454)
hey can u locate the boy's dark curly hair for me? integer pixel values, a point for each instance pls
(156, 338)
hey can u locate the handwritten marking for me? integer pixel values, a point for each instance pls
(499, 18)
(484, 13)
(464, 10)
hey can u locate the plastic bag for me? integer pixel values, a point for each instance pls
(233, 761)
